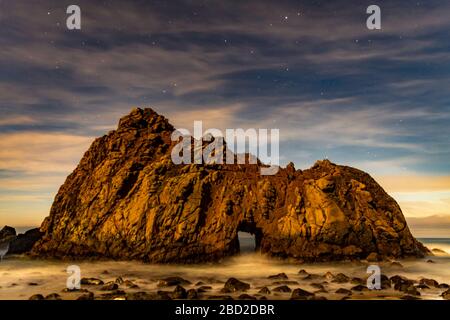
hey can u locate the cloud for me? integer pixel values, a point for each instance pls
(41, 152)
(430, 226)
(374, 100)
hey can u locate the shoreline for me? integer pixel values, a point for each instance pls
(22, 278)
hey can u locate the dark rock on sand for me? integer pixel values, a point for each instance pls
(422, 286)
(280, 276)
(172, 281)
(282, 289)
(245, 296)
(37, 297)
(91, 281)
(443, 286)
(344, 291)
(430, 261)
(359, 287)
(142, 295)
(128, 182)
(164, 295)
(303, 272)
(264, 290)
(328, 276)
(312, 277)
(400, 283)
(373, 257)
(191, 294)
(204, 288)
(385, 282)
(429, 282)
(33, 284)
(86, 296)
(411, 290)
(234, 284)
(340, 278)
(300, 294)
(130, 284)
(53, 296)
(109, 286)
(446, 295)
(179, 293)
(65, 290)
(318, 286)
(119, 280)
(114, 295)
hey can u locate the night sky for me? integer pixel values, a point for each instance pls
(378, 100)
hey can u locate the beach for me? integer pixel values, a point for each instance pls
(268, 278)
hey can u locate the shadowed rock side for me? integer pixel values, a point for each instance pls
(127, 200)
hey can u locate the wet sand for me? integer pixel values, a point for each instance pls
(21, 278)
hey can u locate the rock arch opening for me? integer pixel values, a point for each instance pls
(247, 242)
(248, 238)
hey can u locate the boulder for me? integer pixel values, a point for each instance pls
(300, 294)
(340, 278)
(179, 293)
(282, 289)
(234, 284)
(86, 296)
(446, 294)
(204, 288)
(191, 294)
(280, 276)
(91, 281)
(344, 291)
(53, 296)
(264, 290)
(172, 281)
(109, 286)
(429, 282)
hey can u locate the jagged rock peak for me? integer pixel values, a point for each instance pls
(144, 118)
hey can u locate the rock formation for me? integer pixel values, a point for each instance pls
(127, 200)
(11, 243)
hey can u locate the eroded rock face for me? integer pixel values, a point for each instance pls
(127, 200)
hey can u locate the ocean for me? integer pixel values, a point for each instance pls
(48, 276)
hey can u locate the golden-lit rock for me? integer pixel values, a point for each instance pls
(127, 200)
